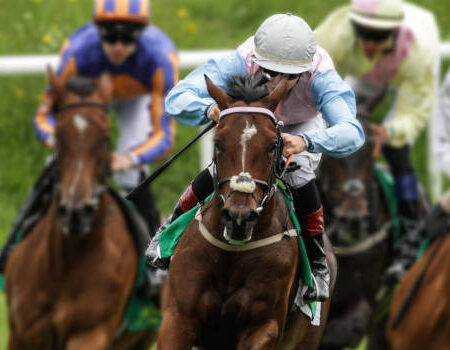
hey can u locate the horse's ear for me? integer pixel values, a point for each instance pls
(53, 81)
(280, 91)
(222, 99)
(105, 87)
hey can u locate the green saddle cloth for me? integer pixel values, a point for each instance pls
(386, 181)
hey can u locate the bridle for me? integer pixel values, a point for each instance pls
(99, 188)
(244, 182)
(82, 103)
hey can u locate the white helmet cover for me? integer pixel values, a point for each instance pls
(284, 43)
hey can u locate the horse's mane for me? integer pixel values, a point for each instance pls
(247, 88)
(81, 86)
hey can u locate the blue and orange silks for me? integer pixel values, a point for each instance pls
(152, 69)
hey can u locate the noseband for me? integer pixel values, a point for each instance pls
(244, 182)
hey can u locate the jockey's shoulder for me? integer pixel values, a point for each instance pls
(154, 40)
(422, 23)
(85, 38)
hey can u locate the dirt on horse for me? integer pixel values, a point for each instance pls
(68, 282)
(222, 298)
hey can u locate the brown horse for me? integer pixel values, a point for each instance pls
(426, 321)
(359, 223)
(222, 293)
(69, 280)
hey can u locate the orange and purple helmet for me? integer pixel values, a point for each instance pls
(137, 11)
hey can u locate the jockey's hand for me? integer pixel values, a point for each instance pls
(50, 142)
(214, 113)
(381, 137)
(121, 162)
(292, 144)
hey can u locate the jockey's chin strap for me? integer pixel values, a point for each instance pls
(244, 182)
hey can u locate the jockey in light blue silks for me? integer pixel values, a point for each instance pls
(283, 45)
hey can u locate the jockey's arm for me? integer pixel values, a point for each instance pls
(161, 139)
(415, 93)
(44, 119)
(189, 102)
(336, 101)
(440, 128)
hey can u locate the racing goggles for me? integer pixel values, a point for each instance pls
(368, 34)
(269, 74)
(126, 33)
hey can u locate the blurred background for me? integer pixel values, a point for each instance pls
(41, 27)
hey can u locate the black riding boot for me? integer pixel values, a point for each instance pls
(309, 211)
(32, 210)
(437, 223)
(197, 191)
(146, 206)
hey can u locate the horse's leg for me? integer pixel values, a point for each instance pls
(177, 331)
(263, 338)
(99, 338)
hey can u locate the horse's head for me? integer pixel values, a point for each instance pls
(82, 148)
(346, 186)
(247, 150)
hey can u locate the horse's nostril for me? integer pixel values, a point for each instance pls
(89, 209)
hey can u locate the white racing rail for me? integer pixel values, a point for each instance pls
(37, 64)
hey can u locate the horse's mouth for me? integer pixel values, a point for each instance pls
(237, 236)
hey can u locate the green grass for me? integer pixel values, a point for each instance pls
(41, 26)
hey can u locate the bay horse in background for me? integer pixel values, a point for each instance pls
(358, 222)
(221, 293)
(68, 282)
(419, 316)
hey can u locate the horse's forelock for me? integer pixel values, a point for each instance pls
(247, 88)
(81, 86)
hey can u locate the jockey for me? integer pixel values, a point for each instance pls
(142, 62)
(387, 46)
(437, 223)
(283, 46)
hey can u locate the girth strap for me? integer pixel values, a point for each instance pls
(241, 248)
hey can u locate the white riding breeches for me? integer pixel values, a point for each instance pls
(133, 118)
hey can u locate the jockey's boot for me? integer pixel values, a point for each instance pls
(317, 257)
(437, 223)
(309, 211)
(32, 210)
(197, 191)
(146, 206)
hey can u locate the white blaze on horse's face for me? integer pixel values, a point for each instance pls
(80, 123)
(247, 134)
